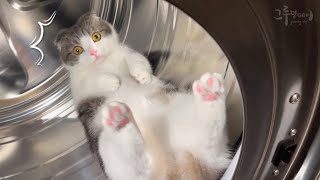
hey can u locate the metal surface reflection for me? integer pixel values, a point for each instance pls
(29, 54)
(40, 137)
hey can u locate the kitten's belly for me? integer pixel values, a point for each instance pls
(138, 98)
(133, 91)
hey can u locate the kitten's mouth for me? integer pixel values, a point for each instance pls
(96, 60)
(99, 59)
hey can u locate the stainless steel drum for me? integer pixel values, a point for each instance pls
(40, 135)
(272, 48)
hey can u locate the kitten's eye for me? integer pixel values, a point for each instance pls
(77, 50)
(96, 37)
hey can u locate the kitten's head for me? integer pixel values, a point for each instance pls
(89, 41)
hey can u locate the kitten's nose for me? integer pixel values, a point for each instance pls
(93, 52)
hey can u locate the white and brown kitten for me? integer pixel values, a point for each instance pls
(138, 127)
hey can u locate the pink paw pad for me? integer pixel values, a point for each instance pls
(210, 82)
(116, 109)
(123, 122)
(199, 89)
(210, 96)
(118, 115)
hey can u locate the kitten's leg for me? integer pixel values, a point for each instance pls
(121, 145)
(211, 116)
(189, 167)
(139, 66)
(209, 99)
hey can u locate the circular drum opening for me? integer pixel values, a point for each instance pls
(40, 134)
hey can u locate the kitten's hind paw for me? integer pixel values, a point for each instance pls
(209, 87)
(117, 115)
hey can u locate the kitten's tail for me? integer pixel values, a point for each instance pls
(164, 166)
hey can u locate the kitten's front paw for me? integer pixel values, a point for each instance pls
(108, 83)
(114, 84)
(143, 77)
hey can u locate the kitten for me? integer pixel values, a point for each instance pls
(138, 127)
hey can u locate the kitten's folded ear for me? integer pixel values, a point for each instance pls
(58, 39)
(87, 16)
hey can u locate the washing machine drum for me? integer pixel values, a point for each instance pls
(266, 50)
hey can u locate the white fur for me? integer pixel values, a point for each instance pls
(185, 123)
